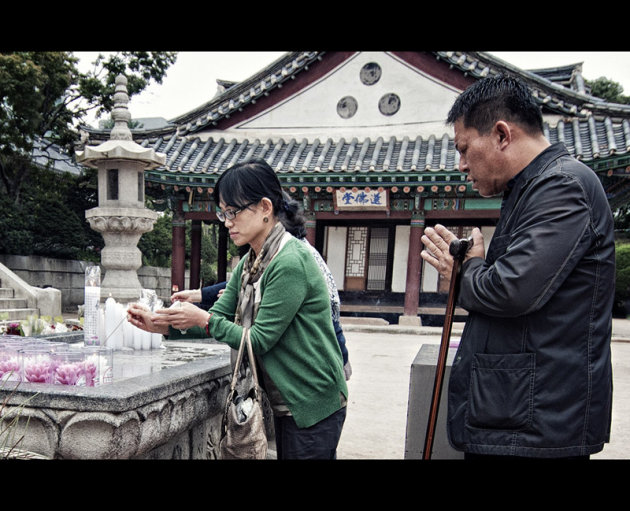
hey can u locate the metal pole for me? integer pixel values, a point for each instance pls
(457, 249)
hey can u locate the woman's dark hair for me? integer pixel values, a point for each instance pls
(249, 182)
(497, 98)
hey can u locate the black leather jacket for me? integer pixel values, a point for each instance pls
(532, 375)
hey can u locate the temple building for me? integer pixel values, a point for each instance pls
(360, 139)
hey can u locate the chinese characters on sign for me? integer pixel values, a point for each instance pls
(361, 199)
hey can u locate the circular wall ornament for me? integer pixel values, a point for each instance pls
(370, 73)
(389, 104)
(347, 107)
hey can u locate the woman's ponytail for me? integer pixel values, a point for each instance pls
(291, 216)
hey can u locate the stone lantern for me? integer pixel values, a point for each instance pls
(121, 216)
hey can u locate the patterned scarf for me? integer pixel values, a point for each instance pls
(253, 269)
(247, 308)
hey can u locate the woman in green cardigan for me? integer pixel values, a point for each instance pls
(279, 293)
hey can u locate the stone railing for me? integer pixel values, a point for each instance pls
(173, 410)
(47, 301)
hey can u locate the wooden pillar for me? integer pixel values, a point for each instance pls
(311, 226)
(222, 249)
(195, 255)
(414, 266)
(178, 264)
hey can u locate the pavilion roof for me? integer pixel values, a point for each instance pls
(594, 131)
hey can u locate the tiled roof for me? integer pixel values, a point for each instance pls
(593, 130)
(569, 76)
(49, 155)
(552, 96)
(589, 140)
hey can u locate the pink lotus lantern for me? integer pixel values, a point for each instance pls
(36, 365)
(98, 365)
(69, 367)
(9, 364)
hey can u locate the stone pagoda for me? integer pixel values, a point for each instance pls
(121, 216)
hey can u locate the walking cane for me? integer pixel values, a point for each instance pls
(457, 249)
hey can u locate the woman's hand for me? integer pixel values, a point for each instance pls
(141, 317)
(181, 315)
(187, 295)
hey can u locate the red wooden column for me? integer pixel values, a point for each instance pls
(310, 228)
(178, 264)
(414, 265)
(195, 255)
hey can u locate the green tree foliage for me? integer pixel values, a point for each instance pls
(50, 218)
(15, 228)
(608, 90)
(140, 67)
(44, 98)
(57, 231)
(209, 253)
(157, 245)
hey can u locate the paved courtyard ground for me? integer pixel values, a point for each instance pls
(376, 423)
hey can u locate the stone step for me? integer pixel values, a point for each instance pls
(18, 314)
(13, 303)
(349, 320)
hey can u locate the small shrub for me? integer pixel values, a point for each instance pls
(622, 279)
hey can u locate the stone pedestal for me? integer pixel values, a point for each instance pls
(409, 320)
(420, 393)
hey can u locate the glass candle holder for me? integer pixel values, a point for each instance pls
(56, 346)
(36, 364)
(9, 362)
(68, 367)
(99, 365)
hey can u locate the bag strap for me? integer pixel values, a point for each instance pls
(245, 341)
(239, 359)
(252, 361)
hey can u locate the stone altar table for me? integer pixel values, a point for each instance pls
(163, 404)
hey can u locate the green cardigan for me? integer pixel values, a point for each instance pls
(292, 334)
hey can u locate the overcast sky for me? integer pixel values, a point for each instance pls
(192, 80)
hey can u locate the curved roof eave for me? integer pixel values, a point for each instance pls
(554, 96)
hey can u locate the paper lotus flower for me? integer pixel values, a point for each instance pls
(37, 371)
(9, 368)
(72, 373)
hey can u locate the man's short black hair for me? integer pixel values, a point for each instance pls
(497, 98)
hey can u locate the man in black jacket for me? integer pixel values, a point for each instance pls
(532, 377)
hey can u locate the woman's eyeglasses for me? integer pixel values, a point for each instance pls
(230, 214)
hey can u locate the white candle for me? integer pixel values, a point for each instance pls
(146, 340)
(101, 326)
(110, 321)
(156, 340)
(137, 338)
